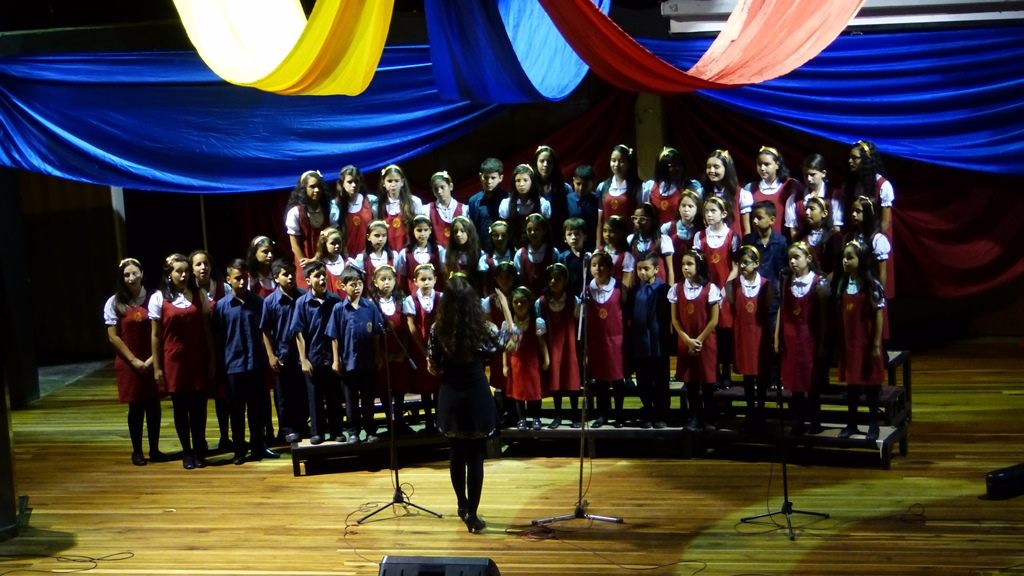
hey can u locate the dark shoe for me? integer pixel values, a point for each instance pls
(462, 514)
(521, 425)
(225, 445)
(600, 422)
(873, 432)
(265, 453)
(352, 439)
(555, 424)
(709, 428)
(692, 425)
(200, 462)
(815, 429)
(850, 430)
(474, 523)
(619, 424)
(292, 438)
(138, 459)
(536, 424)
(188, 462)
(316, 440)
(238, 460)
(158, 456)
(577, 424)
(371, 438)
(659, 425)
(646, 425)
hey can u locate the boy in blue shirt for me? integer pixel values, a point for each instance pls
(237, 321)
(283, 357)
(354, 330)
(651, 341)
(483, 206)
(309, 327)
(584, 204)
(575, 234)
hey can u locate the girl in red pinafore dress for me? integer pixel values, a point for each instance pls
(533, 259)
(799, 337)
(695, 304)
(330, 250)
(666, 189)
(259, 259)
(419, 309)
(719, 243)
(560, 311)
(129, 332)
(216, 389)
(867, 178)
(501, 251)
(861, 365)
(463, 254)
(815, 184)
(525, 200)
(614, 233)
(422, 249)
(443, 212)
(524, 365)
(388, 296)
(775, 185)
(750, 295)
(620, 194)
(396, 206)
(682, 228)
(375, 253)
(864, 228)
(310, 210)
(820, 234)
(605, 333)
(720, 181)
(354, 205)
(183, 359)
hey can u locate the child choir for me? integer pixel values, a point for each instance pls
(779, 276)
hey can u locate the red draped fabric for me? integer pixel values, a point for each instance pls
(763, 39)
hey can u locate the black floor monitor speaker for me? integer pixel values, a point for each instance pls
(1005, 482)
(440, 566)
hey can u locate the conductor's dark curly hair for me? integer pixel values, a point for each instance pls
(460, 326)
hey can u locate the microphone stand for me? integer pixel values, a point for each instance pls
(580, 510)
(787, 505)
(400, 498)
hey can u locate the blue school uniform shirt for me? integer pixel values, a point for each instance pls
(310, 318)
(584, 207)
(355, 329)
(277, 318)
(650, 317)
(238, 324)
(577, 276)
(483, 211)
(773, 256)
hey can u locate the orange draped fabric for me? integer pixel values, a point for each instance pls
(763, 39)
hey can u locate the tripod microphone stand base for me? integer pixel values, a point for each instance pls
(787, 509)
(579, 512)
(399, 499)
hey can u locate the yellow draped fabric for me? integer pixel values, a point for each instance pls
(269, 45)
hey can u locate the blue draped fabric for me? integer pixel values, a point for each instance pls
(506, 52)
(954, 98)
(164, 121)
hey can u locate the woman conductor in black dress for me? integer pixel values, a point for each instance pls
(460, 337)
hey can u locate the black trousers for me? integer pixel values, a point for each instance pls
(247, 396)
(360, 391)
(652, 387)
(292, 401)
(324, 390)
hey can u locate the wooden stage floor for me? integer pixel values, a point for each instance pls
(928, 515)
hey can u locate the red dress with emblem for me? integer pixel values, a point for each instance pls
(334, 284)
(778, 199)
(356, 224)
(624, 205)
(564, 373)
(524, 366)
(410, 268)
(719, 266)
(618, 261)
(307, 241)
(135, 330)
(443, 229)
(694, 315)
(856, 365)
(185, 356)
(534, 275)
(667, 206)
(751, 349)
(371, 268)
(605, 334)
(398, 369)
(398, 235)
(798, 336)
(423, 381)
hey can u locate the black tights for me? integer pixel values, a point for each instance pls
(528, 409)
(604, 398)
(467, 471)
(150, 412)
(853, 393)
(190, 421)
